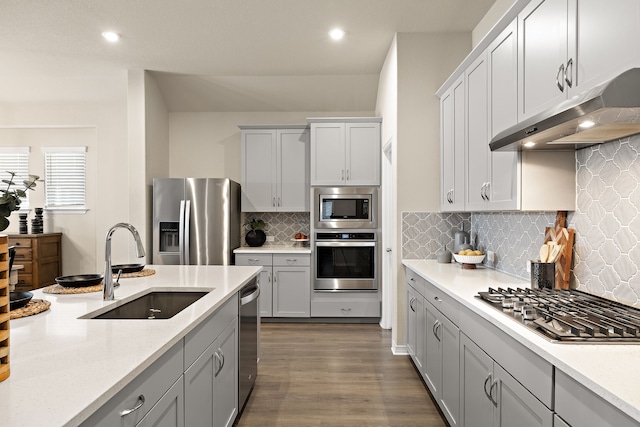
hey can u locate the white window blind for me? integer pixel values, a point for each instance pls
(15, 159)
(64, 177)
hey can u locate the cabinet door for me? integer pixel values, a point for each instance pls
(433, 353)
(412, 324)
(362, 154)
(327, 154)
(198, 389)
(599, 35)
(225, 384)
(293, 170)
(452, 144)
(259, 170)
(266, 293)
(478, 153)
(476, 377)
(169, 411)
(503, 190)
(516, 405)
(291, 292)
(450, 386)
(502, 63)
(542, 56)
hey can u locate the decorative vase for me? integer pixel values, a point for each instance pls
(255, 238)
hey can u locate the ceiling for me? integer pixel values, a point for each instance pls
(214, 55)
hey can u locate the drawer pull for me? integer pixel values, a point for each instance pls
(135, 408)
(253, 259)
(345, 310)
(292, 260)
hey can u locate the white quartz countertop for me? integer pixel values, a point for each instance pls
(274, 249)
(64, 368)
(612, 371)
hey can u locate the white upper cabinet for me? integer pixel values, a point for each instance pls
(567, 46)
(502, 64)
(275, 169)
(452, 169)
(345, 152)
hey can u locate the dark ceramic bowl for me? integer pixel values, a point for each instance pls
(126, 268)
(79, 280)
(19, 299)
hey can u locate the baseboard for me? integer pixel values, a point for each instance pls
(399, 350)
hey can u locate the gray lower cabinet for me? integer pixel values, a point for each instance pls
(285, 283)
(415, 327)
(211, 384)
(490, 396)
(195, 383)
(144, 396)
(169, 411)
(442, 362)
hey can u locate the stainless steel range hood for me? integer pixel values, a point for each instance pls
(613, 107)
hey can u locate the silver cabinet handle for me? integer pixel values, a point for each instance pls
(219, 355)
(388, 249)
(345, 310)
(482, 190)
(342, 175)
(569, 73)
(486, 393)
(292, 260)
(348, 178)
(559, 82)
(135, 408)
(411, 301)
(253, 259)
(436, 329)
(486, 191)
(494, 401)
(279, 202)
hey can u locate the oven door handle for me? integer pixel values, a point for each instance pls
(347, 244)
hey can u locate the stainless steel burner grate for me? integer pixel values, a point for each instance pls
(568, 315)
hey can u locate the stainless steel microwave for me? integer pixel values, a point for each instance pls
(346, 207)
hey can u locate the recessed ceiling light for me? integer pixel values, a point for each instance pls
(336, 34)
(586, 124)
(529, 144)
(111, 36)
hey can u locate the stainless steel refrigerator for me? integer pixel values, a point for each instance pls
(196, 221)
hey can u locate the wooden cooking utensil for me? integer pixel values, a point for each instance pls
(555, 253)
(544, 253)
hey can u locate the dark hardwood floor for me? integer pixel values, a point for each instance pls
(335, 375)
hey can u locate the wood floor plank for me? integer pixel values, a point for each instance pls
(330, 375)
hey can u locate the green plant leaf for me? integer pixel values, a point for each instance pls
(4, 223)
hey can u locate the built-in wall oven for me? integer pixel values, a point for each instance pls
(346, 261)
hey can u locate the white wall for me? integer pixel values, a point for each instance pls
(489, 20)
(101, 124)
(208, 144)
(423, 62)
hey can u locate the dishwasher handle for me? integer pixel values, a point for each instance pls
(250, 294)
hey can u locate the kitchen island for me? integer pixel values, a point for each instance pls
(610, 372)
(64, 368)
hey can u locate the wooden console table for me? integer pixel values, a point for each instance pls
(41, 256)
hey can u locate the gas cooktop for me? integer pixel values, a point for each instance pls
(568, 316)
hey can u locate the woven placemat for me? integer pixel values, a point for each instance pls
(34, 306)
(59, 289)
(143, 273)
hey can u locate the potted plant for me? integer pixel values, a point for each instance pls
(255, 236)
(12, 196)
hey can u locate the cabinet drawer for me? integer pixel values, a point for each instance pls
(23, 254)
(415, 281)
(254, 259)
(20, 243)
(286, 260)
(443, 302)
(580, 406)
(152, 384)
(203, 335)
(345, 308)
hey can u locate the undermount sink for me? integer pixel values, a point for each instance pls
(153, 305)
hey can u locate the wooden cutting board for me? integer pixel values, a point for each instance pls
(562, 236)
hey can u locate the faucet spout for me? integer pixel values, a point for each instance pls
(107, 287)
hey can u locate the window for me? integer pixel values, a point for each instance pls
(15, 159)
(65, 177)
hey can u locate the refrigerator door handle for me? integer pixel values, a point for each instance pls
(181, 232)
(187, 227)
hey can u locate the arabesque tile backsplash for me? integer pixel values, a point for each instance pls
(283, 226)
(606, 220)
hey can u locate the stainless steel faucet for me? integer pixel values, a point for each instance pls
(107, 287)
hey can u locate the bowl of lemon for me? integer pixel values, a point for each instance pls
(469, 258)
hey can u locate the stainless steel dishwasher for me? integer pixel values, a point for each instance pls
(248, 340)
